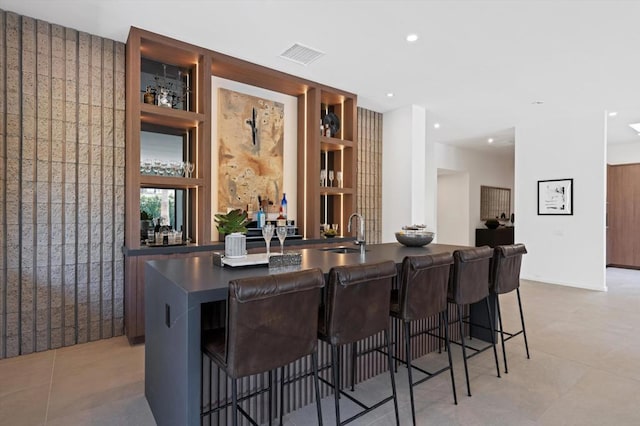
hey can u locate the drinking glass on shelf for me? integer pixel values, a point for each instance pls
(267, 233)
(282, 234)
(323, 177)
(189, 168)
(330, 177)
(339, 177)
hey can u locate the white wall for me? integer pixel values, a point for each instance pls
(403, 170)
(290, 149)
(567, 250)
(483, 168)
(623, 153)
(453, 208)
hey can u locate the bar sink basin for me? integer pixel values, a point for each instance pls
(342, 250)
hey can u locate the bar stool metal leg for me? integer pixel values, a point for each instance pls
(504, 351)
(316, 381)
(407, 349)
(448, 349)
(464, 351)
(393, 380)
(524, 331)
(270, 409)
(234, 399)
(282, 376)
(335, 360)
(493, 336)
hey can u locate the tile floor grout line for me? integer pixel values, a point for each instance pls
(53, 367)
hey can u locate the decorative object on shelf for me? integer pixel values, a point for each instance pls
(170, 92)
(513, 218)
(149, 95)
(233, 226)
(492, 223)
(250, 149)
(323, 177)
(331, 124)
(555, 197)
(414, 236)
(330, 233)
(339, 177)
(331, 178)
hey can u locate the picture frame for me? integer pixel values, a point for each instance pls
(555, 197)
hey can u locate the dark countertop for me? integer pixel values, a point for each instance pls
(193, 248)
(198, 274)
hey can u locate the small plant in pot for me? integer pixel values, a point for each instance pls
(233, 226)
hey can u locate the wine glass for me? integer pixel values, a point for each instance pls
(330, 177)
(190, 167)
(339, 177)
(282, 234)
(267, 233)
(323, 177)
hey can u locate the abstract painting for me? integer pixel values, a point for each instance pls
(250, 150)
(555, 197)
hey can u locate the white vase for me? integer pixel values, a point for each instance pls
(235, 245)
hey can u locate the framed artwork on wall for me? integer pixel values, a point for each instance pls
(555, 197)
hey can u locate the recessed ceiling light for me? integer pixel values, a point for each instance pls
(537, 102)
(412, 37)
(635, 126)
(490, 140)
(436, 125)
(390, 95)
(613, 114)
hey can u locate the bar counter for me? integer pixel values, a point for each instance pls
(177, 289)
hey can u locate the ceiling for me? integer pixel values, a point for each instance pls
(476, 68)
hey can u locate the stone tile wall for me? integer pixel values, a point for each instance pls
(61, 186)
(369, 180)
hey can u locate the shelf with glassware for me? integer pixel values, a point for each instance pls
(336, 184)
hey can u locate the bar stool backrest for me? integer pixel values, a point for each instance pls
(423, 285)
(357, 301)
(469, 280)
(272, 321)
(505, 268)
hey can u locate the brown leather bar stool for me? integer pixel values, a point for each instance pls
(356, 306)
(271, 322)
(505, 277)
(469, 283)
(422, 294)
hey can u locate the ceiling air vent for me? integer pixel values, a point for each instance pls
(301, 54)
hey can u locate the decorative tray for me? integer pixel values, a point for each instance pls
(258, 259)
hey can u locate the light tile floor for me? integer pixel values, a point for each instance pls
(584, 370)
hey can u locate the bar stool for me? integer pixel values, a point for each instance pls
(356, 306)
(469, 283)
(505, 277)
(422, 294)
(271, 322)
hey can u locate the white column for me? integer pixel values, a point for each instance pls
(566, 250)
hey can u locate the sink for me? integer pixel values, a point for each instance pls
(342, 250)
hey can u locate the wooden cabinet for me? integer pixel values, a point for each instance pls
(623, 215)
(160, 62)
(494, 237)
(321, 200)
(161, 139)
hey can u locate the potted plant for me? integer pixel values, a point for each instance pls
(233, 226)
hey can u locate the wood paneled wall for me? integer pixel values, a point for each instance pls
(369, 189)
(61, 186)
(623, 215)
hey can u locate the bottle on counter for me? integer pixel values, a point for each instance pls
(283, 205)
(260, 218)
(281, 220)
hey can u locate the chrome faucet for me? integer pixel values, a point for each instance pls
(359, 235)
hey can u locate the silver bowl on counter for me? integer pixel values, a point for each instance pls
(411, 238)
